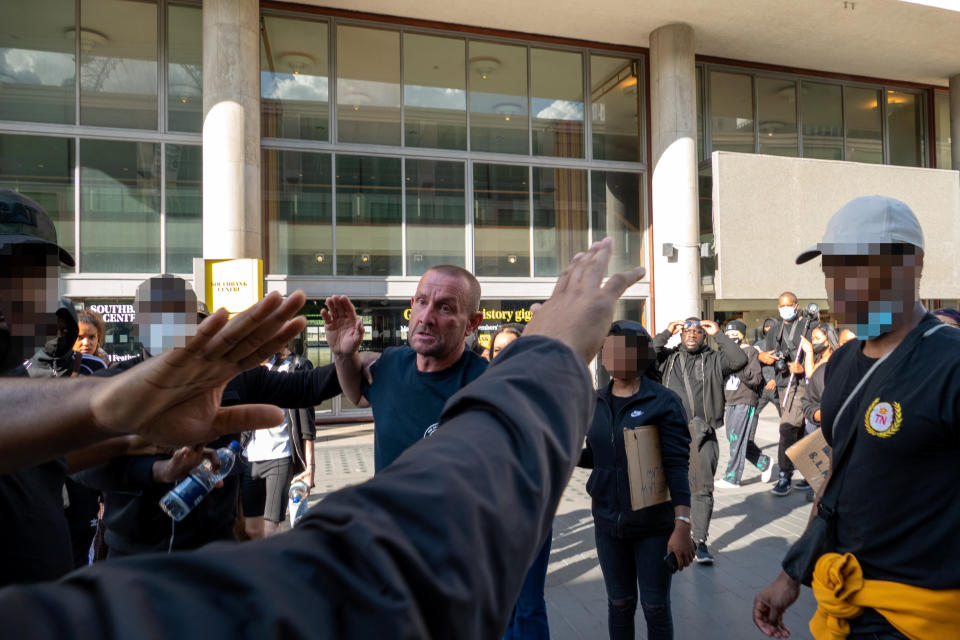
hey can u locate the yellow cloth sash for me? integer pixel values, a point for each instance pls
(842, 593)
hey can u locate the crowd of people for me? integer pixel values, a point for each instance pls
(452, 536)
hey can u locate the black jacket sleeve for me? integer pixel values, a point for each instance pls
(435, 546)
(660, 345)
(812, 396)
(732, 357)
(126, 473)
(291, 390)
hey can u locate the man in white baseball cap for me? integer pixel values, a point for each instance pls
(880, 552)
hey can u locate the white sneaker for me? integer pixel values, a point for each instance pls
(723, 484)
(766, 474)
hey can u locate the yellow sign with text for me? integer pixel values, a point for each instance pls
(504, 315)
(235, 285)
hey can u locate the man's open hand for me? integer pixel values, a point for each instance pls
(580, 310)
(770, 604)
(342, 326)
(174, 398)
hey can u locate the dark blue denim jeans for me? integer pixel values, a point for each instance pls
(629, 563)
(529, 619)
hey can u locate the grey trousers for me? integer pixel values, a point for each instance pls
(701, 502)
(738, 421)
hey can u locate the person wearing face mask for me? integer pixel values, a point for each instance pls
(817, 352)
(742, 392)
(780, 350)
(167, 313)
(631, 544)
(880, 549)
(696, 373)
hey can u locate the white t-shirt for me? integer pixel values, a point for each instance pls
(272, 443)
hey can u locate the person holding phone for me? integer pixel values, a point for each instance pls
(631, 545)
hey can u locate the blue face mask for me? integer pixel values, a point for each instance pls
(787, 313)
(877, 321)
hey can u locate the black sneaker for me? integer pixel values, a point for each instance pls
(783, 486)
(702, 555)
(803, 484)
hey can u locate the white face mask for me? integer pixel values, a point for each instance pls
(788, 313)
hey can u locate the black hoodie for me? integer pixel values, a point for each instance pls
(715, 366)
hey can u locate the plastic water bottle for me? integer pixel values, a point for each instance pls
(190, 491)
(298, 501)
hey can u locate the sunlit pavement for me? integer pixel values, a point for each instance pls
(750, 531)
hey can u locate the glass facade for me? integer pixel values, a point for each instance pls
(791, 115)
(368, 85)
(184, 68)
(434, 91)
(499, 110)
(294, 76)
(435, 223)
(556, 101)
(368, 216)
(615, 108)
(942, 119)
(501, 227)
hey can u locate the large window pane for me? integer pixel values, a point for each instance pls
(297, 206)
(614, 103)
(434, 92)
(118, 64)
(556, 86)
(38, 62)
(559, 218)
(184, 68)
(821, 109)
(119, 206)
(436, 227)
(616, 211)
(501, 235)
(700, 152)
(731, 112)
(368, 85)
(293, 79)
(498, 98)
(184, 221)
(777, 116)
(905, 129)
(942, 119)
(861, 110)
(41, 168)
(368, 216)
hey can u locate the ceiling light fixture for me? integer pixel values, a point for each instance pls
(484, 66)
(89, 38)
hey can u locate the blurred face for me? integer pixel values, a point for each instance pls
(871, 294)
(624, 357)
(166, 315)
(734, 335)
(440, 319)
(28, 300)
(87, 340)
(503, 339)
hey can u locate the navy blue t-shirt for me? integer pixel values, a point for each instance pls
(407, 403)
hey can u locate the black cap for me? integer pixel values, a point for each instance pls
(735, 325)
(23, 221)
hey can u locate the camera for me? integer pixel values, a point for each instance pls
(812, 311)
(780, 364)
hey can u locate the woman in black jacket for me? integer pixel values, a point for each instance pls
(631, 545)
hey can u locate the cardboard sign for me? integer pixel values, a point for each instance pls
(648, 482)
(811, 456)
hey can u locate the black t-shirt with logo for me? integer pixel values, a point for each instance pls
(897, 508)
(407, 403)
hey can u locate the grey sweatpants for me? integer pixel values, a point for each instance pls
(739, 422)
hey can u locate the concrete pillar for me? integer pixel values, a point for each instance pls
(955, 120)
(231, 129)
(675, 216)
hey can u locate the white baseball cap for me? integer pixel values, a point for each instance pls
(862, 224)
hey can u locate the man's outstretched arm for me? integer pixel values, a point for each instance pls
(344, 331)
(171, 399)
